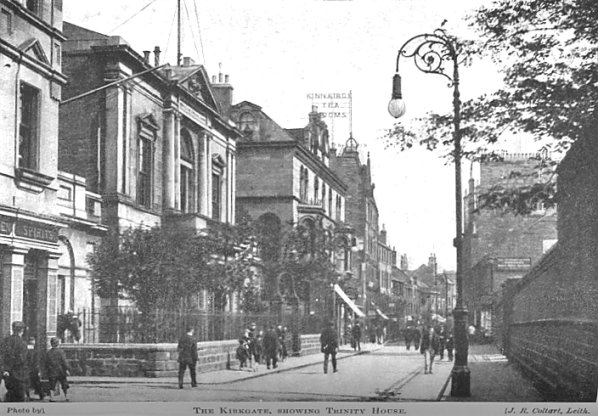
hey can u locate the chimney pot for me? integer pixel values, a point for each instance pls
(226, 79)
(146, 56)
(213, 79)
(157, 56)
(314, 108)
(220, 78)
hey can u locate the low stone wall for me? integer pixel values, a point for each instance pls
(156, 360)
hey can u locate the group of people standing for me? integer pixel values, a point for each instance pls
(431, 342)
(20, 367)
(257, 346)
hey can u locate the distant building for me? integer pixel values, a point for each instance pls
(362, 214)
(284, 180)
(49, 221)
(498, 245)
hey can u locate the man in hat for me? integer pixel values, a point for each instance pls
(13, 363)
(187, 349)
(329, 345)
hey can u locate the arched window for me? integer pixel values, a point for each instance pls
(323, 200)
(316, 190)
(186, 167)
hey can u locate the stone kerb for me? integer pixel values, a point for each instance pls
(156, 360)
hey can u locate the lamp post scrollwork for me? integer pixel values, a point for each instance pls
(431, 52)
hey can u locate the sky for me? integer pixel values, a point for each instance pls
(276, 52)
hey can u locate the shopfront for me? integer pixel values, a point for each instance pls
(29, 272)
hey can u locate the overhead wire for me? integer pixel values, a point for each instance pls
(134, 15)
(170, 32)
(199, 31)
(191, 27)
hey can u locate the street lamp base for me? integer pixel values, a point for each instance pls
(460, 377)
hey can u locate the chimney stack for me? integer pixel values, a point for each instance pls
(188, 61)
(404, 262)
(157, 56)
(146, 56)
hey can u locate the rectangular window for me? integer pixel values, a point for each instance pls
(29, 127)
(57, 53)
(62, 291)
(186, 196)
(144, 194)
(6, 22)
(216, 196)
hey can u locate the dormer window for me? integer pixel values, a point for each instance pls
(247, 122)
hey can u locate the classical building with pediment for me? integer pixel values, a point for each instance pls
(151, 139)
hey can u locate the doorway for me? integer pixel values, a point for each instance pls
(30, 297)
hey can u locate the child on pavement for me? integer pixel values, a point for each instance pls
(58, 370)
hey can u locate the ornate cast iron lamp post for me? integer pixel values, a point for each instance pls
(430, 52)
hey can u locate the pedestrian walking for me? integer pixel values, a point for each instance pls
(329, 346)
(417, 333)
(58, 370)
(258, 348)
(250, 334)
(441, 341)
(34, 382)
(356, 335)
(187, 349)
(409, 332)
(271, 347)
(429, 347)
(242, 352)
(450, 345)
(13, 363)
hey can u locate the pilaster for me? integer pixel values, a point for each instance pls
(47, 312)
(13, 268)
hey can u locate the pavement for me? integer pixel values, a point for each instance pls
(493, 378)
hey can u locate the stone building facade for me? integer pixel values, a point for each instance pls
(45, 231)
(152, 140)
(284, 180)
(362, 214)
(497, 245)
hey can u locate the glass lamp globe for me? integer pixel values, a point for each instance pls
(396, 107)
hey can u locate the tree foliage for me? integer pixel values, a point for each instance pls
(164, 268)
(547, 51)
(308, 252)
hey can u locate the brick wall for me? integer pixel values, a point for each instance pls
(156, 360)
(551, 316)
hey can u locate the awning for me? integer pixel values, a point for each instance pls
(348, 301)
(381, 314)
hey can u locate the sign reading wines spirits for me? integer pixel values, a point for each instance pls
(28, 229)
(332, 104)
(513, 263)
